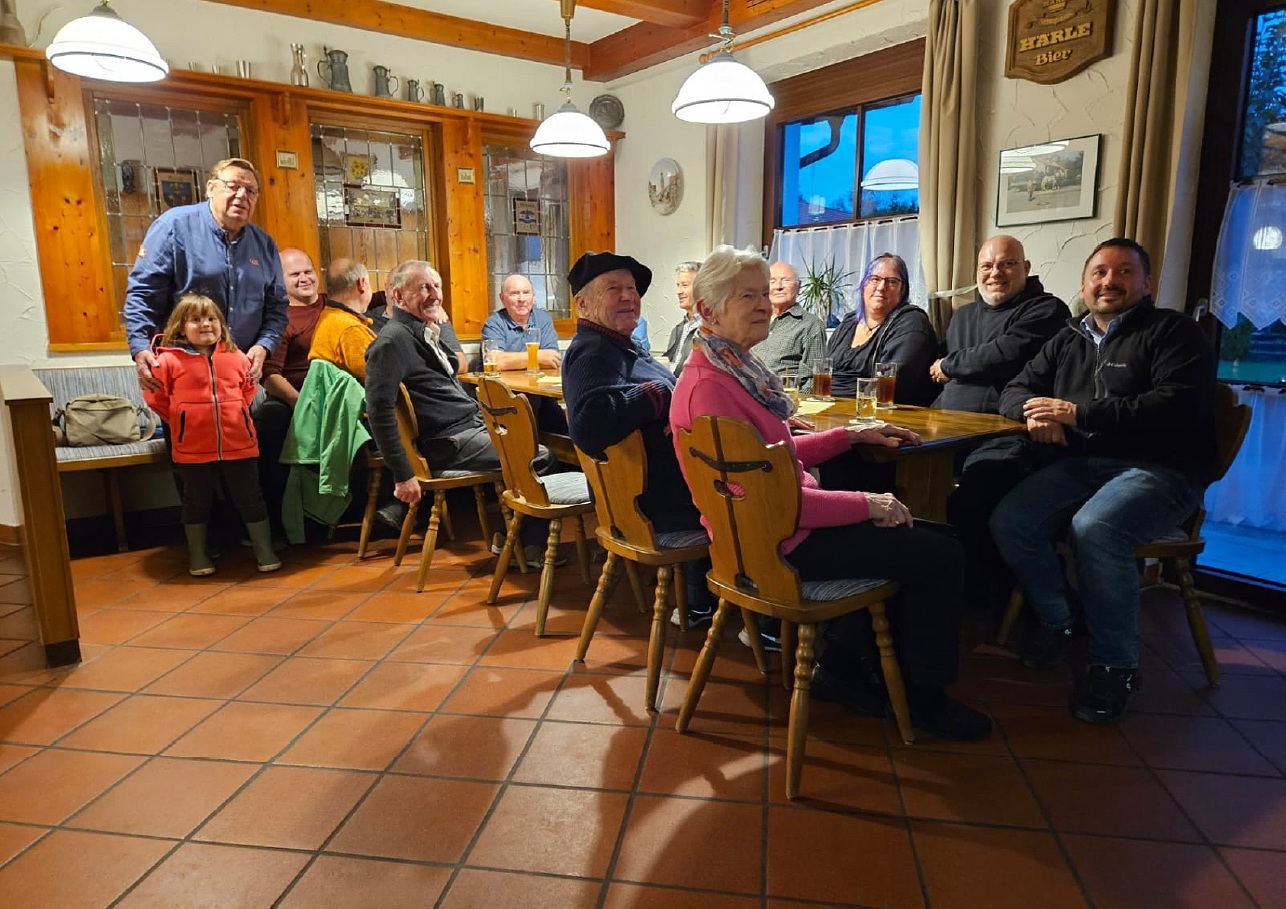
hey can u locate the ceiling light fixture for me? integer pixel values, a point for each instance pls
(568, 133)
(102, 45)
(723, 90)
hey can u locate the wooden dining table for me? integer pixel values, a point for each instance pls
(924, 474)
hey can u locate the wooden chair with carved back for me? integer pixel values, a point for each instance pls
(617, 479)
(749, 494)
(512, 427)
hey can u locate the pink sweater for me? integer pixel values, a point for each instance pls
(705, 391)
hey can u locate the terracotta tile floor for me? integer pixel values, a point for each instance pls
(322, 737)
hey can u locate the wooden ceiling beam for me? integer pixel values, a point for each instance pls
(646, 44)
(669, 13)
(422, 25)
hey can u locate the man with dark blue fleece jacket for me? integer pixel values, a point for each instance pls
(1121, 408)
(612, 388)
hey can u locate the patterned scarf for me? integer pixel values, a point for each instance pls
(763, 385)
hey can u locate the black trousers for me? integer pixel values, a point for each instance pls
(201, 485)
(272, 421)
(928, 562)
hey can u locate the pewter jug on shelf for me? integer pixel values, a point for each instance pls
(383, 88)
(336, 64)
(457, 100)
(413, 90)
(439, 93)
(299, 69)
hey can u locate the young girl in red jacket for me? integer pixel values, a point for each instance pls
(205, 400)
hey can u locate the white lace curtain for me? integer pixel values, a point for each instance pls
(1250, 258)
(850, 247)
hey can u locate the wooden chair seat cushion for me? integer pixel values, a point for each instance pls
(681, 539)
(566, 488)
(838, 589)
(68, 453)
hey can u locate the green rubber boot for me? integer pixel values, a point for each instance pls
(199, 564)
(261, 540)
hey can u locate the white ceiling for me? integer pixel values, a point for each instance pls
(540, 16)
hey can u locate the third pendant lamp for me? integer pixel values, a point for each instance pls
(723, 90)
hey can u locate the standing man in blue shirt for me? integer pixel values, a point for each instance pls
(209, 248)
(508, 326)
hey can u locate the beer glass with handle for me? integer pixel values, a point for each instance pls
(822, 379)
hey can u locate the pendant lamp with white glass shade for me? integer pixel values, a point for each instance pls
(723, 90)
(102, 45)
(568, 133)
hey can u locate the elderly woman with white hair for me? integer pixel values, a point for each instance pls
(840, 533)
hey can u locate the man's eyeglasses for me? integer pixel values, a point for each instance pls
(1004, 266)
(890, 283)
(233, 187)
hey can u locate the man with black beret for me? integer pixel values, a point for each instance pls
(613, 387)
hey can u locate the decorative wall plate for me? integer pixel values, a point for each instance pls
(665, 186)
(607, 111)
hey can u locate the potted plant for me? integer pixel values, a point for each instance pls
(822, 287)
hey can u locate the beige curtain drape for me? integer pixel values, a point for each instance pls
(1161, 146)
(947, 157)
(722, 151)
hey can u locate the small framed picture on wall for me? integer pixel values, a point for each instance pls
(1048, 181)
(175, 187)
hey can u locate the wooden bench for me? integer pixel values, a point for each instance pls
(63, 384)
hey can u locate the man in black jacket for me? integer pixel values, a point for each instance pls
(990, 340)
(1121, 408)
(409, 351)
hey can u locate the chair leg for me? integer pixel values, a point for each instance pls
(502, 560)
(892, 673)
(1197, 620)
(1012, 612)
(596, 604)
(656, 642)
(547, 575)
(797, 729)
(404, 538)
(113, 480)
(483, 521)
(582, 549)
(636, 584)
(430, 538)
(701, 671)
(787, 653)
(368, 516)
(756, 642)
(447, 526)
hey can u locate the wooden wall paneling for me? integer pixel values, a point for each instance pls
(288, 201)
(592, 195)
(70, 238)
(464, 214)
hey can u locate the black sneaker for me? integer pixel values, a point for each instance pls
(696, 617)
(947, 718)
(391, 515)
(858, 696)
(771, 642)
(1046, 646)
(1102, 694)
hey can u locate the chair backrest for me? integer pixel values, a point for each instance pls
(748, 492)
(512, 427)
(617, 479)
(1232, 420)
(408, 431)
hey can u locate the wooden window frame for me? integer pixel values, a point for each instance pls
(894, 72)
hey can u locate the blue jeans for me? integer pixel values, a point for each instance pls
(1105, 508)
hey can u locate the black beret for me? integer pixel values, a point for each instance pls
(591, 265)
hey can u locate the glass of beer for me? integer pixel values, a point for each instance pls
(886, 376)
(532, 336)
(489, 349)
(790, 385)
(822, 379)
(866, 412)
